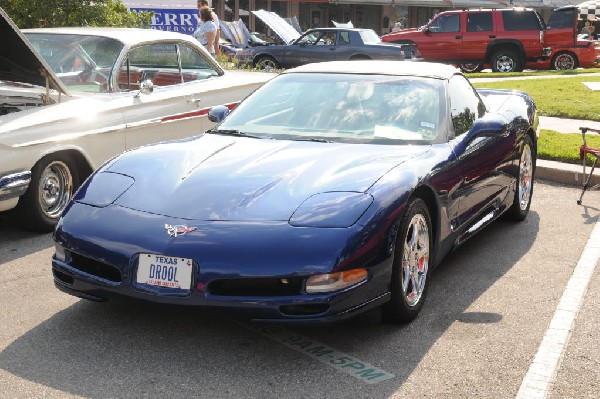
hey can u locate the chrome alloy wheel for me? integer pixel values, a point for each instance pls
(525, 177)
(505, 64)
(55, 188)
(415, 260)
(564, 61)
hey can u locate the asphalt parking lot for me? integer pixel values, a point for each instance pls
(489, 307)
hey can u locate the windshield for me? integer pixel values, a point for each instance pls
(343, 108)
(81, 62)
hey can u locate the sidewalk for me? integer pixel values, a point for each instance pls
(559, 172)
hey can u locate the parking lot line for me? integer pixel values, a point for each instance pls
(544, 368)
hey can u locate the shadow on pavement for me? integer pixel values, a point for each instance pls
(132, 350)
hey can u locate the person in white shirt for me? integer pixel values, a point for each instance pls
(215, 19)
(206, 31)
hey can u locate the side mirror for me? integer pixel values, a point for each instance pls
(217, 113)
(146, 87)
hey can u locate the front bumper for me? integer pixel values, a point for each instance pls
(257, 271)
(12, 186)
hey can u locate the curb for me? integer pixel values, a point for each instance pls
(564, 173)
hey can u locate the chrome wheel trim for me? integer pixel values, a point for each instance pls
(415, 260)
(505, 64)
(564, 62)
(267, 64)
(55, 188)
(525, 177)
(470, 67)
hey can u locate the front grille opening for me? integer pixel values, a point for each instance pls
(96, 268)
(65, 278)
(304, 310)
(256, 287)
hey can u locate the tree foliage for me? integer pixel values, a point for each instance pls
(55, 13)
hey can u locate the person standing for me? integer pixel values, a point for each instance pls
(206, 31)
(215, 19)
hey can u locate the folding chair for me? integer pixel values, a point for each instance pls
(584, 150)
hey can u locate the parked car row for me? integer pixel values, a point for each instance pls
(508, 40)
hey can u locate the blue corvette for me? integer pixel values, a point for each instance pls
(333, 189)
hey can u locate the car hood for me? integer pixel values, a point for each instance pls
(280, 26)
(243, 179)
(236, 32)
(19, 62)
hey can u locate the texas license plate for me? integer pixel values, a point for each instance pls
(165, 271)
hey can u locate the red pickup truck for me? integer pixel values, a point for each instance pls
(505, 39)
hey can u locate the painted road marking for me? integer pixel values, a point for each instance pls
(323, 353)
(542, 371)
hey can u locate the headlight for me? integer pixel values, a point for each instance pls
(104, 188)
(334, 209)
(335, 281)
(59, 252)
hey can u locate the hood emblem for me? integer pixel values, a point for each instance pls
(178, 230)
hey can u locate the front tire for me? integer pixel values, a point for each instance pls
(53, 181)
(506, 60)
(564, 61)
(524, 190)
(471, 67)
(267, 63)
(411, 268)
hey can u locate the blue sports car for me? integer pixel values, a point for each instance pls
(333, 189)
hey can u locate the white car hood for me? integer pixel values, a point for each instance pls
(284, 30)
(19, 62)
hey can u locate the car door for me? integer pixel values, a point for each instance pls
(484, 160)
(479, 31)
(313, 46)
(441, 35)
(179, 103)
(560, 30)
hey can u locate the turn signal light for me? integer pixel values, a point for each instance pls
(335, 281)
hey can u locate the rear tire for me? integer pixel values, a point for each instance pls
(506, 60)
(411, 268)
(53, 181)
(564, 60)
(524, 190)
(267, 63)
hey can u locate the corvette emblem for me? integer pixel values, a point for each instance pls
(178, 230)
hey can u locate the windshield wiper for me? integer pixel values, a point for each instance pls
(315, 140)
(231, 132)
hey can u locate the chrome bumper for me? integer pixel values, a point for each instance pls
(14, 185)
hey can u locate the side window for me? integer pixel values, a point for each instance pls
(160, 63)
(465, 104)
(561, 19)
(521, 20)
(193, 64)
(479, 22)
(446, 23)
(343, 38)
(157, 62)
(327, 38)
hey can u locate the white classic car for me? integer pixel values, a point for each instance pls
(72, 98)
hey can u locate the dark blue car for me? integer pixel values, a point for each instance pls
(333, 189)
(326, 44)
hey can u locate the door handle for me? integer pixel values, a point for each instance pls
(492, 36)
(194, 100)
(458, 37)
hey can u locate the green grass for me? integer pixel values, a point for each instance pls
(549, 72)
(554, 146)
(559, 97)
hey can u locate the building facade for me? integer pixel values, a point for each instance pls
(379, 15)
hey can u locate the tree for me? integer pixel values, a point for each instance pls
(54, 13)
